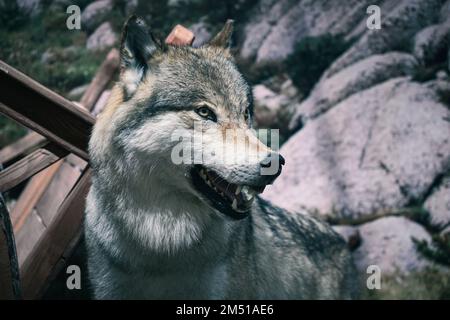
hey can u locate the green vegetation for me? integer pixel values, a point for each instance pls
(427, 284)
(311, 57)
(9, 131)
(44, 49)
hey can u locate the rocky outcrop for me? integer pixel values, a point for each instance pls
(401, 20)
(438, 204)
(275, 27)
(387, 243)
(94, 14)
(202, 32)
(271, 110)
(103, 38)
(355, 78)
(432, 43)
(374, 151)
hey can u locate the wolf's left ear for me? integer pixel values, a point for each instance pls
(136, 48)
(223, 38)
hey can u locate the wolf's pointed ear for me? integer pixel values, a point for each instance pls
(223, 38)
(136, 48)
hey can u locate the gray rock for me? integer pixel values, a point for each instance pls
(32, 7)
(271, 110)
(202, 32)
(94, 14)
(276, 27)
(77, 93)
(387, 243)
(131, 7)
(399, 24)
(431, 42)
(102, 38)
(48, 56)
(357, 77)
(438, 204)
(377, 149)
(289, 89)
(350, 234)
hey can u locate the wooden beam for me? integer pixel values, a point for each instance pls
(31, 194)
(40, 109)
(180, 36)
(101, 80)
(33, 141)
(38, 266)
(9, 269)
(21, 148)
(27, 167)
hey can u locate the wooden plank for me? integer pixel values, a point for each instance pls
(33, 141)
(38, 266)
(36, 107)
(29, 235)
(62, 182)
(27, 167)
(9, 269)
(101, 79)
(32, 193)
(180, 36)
(21, 148)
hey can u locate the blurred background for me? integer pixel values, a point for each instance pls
(364, 114)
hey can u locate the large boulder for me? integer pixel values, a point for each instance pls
(357, 77)
(272, 110)
(275, 27)
(387, 243)
(31, 7)
(374, 151)
(94, 14)
(202, 32)
(438, 204)
(401, 20)
(432, 42)
(103, 38)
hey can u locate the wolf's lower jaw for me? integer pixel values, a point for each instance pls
(229, 198)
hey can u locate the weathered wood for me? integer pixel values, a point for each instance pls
(180, 36)
(39, 265)
(62, 182)
(33, 141)
(9, 269)
(21, 148)
(101, 80)
(31, 194)
(28, 236)
(27, 167)
(36, 107)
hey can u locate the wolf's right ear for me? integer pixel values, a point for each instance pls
(136, 48)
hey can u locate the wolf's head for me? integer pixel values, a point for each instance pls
(184, 103)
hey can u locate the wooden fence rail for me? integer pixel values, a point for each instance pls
(61, 127)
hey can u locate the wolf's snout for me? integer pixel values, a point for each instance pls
(271, 167)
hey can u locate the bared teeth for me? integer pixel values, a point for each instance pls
(234, 205)
(241, 196)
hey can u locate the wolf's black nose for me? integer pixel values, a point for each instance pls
(267, 172)
(266, 163)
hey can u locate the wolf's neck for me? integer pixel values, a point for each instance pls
(155, 219)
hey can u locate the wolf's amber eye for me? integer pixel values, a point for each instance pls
(206, 113)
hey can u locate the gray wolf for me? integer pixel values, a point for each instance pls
(159, 230)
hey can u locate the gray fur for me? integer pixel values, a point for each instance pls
(151, 235)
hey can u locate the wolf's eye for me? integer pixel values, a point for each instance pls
(206, 113)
